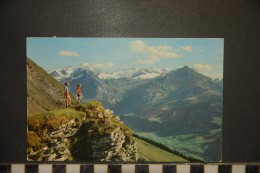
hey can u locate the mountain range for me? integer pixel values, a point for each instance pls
(160, 103)
(134, 73)
(83, 132)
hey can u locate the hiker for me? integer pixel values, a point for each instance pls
(79, 94)
(67, 95)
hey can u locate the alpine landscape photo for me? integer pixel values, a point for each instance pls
(124, 99)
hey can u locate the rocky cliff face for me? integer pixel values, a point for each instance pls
(84, 133)
(114, 147)
(52, 144)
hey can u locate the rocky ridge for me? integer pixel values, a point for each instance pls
(87, 133)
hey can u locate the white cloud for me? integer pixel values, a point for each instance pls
(137, 46)
(67, 53)
(152, 54)
(104, 65)
(208, 70)
(217, 75)
(187, 48)
(202, 68)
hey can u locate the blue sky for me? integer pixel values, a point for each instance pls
(111, 54)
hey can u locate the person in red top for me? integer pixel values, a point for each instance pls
(79, 94)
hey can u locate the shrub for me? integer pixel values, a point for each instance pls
(54, 122)
(34, 141)
(35, 123)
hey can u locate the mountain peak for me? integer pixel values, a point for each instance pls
(186, 68)
(85, 66)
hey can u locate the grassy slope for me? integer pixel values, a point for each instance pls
(44, 93)
(44, 74)
(149, 152)
(193, 144)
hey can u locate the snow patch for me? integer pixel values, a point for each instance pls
(135, 73)
(74, 72)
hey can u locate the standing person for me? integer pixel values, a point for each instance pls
(79, 94)
(67, 95)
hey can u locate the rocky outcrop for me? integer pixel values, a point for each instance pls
(55, 144)
(85, 133)
(114, 147)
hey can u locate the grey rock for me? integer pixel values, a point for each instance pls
(52, 157)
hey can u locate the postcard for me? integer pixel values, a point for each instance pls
(124, 99)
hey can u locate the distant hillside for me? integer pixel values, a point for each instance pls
(177, 84)
(150, 153)
(150, 150)
(182, 108)
(44, 93)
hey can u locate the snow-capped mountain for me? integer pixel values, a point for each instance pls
(72, 71)
(134, 73)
